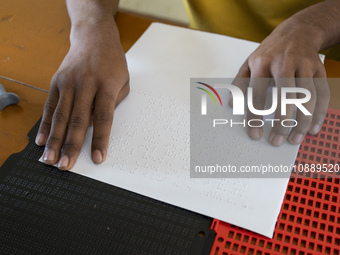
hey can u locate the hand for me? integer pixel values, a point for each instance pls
(289, 52)
(91, 81)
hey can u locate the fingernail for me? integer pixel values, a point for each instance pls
(298, 138)
(63, 162)
(40, 140)
(255, 133)
(316, 128)
(49, 155)
(278, 140)
(97, 157)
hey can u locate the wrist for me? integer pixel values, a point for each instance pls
(90, 13)
(93, 28)
(307, 34)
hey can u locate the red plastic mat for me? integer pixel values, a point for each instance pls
(309, 221)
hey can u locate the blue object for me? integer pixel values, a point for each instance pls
(7, 98)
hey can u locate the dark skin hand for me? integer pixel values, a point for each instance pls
(289, 52)
(93, 78)
(91, 81)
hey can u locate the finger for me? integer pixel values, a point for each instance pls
(77, 126)
(104, 106)
(259, 83)
(281, 127)
(46, 121)
(58, 127)
(322, 101)
(241, 80)
(123, 93)
(257, 98)
(298, 132)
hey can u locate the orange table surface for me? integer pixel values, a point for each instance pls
(34, 40)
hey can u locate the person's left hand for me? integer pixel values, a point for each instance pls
(289, 52)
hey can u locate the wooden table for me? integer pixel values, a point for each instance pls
(34, 40)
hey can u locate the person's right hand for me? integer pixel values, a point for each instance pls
(289, 56)
(91, 81)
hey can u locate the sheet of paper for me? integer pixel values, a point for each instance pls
(149, 147)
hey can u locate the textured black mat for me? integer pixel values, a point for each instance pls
(47, 211)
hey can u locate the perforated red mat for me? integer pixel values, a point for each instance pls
(309, 221)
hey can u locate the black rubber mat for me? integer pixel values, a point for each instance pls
(47, 211)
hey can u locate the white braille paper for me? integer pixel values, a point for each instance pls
(149, 146)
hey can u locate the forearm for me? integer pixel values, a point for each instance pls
(92, 17)
(80, 10)
(85, 13)
(319, 24)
